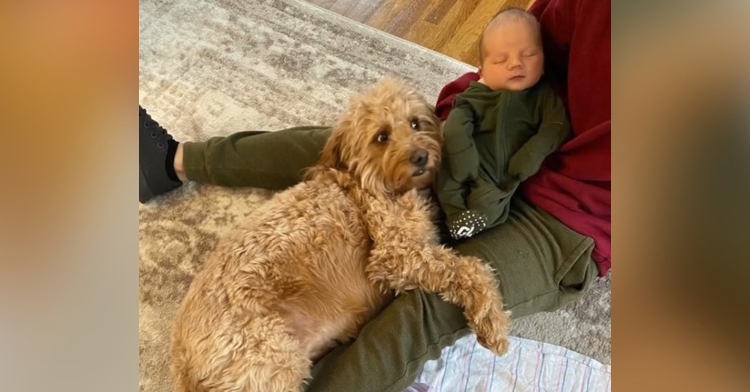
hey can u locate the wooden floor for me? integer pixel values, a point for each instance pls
(451, 27)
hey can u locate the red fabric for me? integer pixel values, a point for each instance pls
(449, 92)
(574, 184)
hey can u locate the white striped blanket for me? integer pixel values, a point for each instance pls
(528, 366)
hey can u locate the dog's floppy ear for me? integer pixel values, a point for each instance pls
(332, 155)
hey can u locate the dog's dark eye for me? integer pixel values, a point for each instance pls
(415, 124)
(382, 138)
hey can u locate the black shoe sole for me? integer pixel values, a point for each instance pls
(144, 194)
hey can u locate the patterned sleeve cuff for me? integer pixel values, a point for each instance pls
(467, 224)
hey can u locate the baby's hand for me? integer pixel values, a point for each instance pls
(524, 165)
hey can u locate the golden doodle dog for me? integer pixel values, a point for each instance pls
(312, 265)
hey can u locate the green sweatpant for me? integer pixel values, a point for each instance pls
(540, 264)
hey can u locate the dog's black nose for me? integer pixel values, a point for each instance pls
(419, 157)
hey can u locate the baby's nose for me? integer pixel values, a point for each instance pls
(514, 62)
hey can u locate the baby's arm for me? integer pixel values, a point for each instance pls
(553, 131)
(460, 155)
(460, 163)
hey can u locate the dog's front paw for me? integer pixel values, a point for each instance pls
(413, 200)
(498, 345)
(492, 331)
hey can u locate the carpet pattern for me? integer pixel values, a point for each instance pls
(213, 67)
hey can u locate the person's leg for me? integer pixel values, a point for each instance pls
(540, 265)
(271, 160)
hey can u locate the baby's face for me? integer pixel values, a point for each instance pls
(513, 57)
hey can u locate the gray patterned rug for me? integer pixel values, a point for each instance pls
(214, 67)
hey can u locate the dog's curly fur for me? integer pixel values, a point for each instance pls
(308, 270)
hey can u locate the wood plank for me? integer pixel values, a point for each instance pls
(436, 35)
(463, 44)
(450, 27)
(397, 16)
(381, 18)
(441, 9)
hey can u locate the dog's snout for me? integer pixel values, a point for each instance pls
(419, 157)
